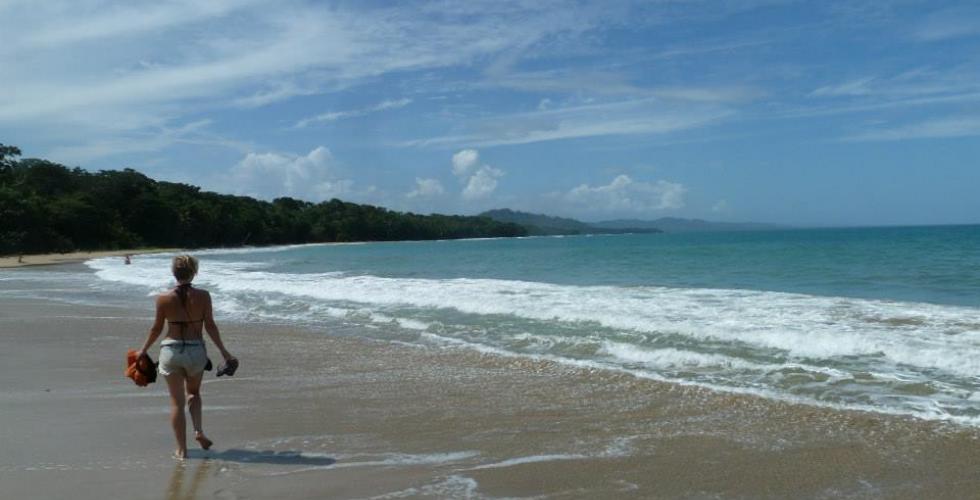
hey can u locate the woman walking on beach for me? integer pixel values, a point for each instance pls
(187, 310)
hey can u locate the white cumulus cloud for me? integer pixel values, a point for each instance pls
(623, 194)
(464, 161)
(426, 188)
(482, 183)
(270, 175)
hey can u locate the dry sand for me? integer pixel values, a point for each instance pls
(330, 415)
(45, 259)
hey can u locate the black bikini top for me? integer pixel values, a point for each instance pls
(182, 291)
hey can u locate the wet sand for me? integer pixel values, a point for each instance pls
(329, 415)
(47, 259)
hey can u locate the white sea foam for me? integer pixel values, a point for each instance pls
(675, 358)
(619, 447)
(404, 459)
(453, 486)
(929, 411)
(802, 326)
(942, 337)
(510, 462)
(667, 358)
(659, 329)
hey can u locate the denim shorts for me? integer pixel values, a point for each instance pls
(188, 357)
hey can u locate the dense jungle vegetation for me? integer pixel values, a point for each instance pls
(48, 207)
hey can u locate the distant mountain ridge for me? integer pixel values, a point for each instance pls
(541, 225)
(677, 225)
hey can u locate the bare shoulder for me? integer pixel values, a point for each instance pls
(204, 294)
(164, 298)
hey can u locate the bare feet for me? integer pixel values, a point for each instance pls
(202, 440)
(180, 454)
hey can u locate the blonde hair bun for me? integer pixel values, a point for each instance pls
(184, 267)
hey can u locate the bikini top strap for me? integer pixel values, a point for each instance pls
(182, 292)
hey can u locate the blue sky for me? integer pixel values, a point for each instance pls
(808, 113)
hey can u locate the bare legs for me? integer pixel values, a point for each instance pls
(176, 383)
(194, 405)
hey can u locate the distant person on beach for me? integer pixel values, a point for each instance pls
(127, 260)
(183, 357)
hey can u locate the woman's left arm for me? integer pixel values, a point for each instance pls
(157, 327)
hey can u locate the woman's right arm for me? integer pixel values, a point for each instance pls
(157, 327)
(212, 328)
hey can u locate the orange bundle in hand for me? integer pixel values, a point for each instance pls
(141, 369)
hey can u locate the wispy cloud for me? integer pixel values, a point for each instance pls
(641, 116)
(708, 48)
(276, 92)
(912, 83)
(612, 76)
(861, 86)
(949, 23)
(720, 94)
(342, 115)
(113, 21)
(877, 105)
(148, 67)
(917, 87)
(601, 82)
(961, 126)
(140, 142)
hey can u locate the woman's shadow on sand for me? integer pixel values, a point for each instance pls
(262, 457)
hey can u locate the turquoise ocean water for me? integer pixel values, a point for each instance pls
(879, 319)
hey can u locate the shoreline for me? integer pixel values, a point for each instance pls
(314, 414)
(48, 259)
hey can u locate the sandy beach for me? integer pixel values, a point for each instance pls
(70, 257)
(314, 414)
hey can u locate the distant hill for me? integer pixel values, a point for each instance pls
(677, 225)
(539, 224)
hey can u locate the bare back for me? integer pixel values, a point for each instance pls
(185, 321)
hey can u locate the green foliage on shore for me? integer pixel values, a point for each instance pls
(46, 207)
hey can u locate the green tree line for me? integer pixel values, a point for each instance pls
(48, 207)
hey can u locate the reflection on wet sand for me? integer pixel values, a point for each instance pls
(176, 491)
